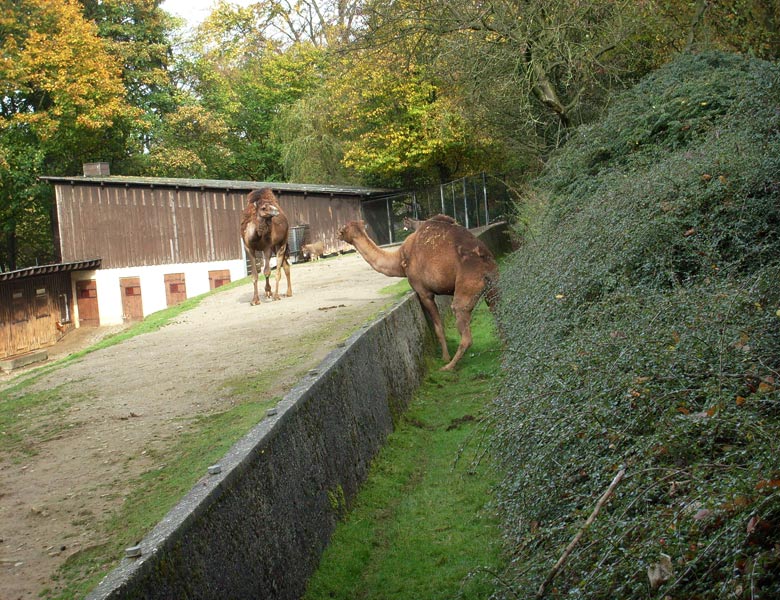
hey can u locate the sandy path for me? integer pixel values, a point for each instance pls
(117, 404)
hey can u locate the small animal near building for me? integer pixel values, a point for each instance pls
(142, 244)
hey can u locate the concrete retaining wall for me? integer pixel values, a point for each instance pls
(258, 527)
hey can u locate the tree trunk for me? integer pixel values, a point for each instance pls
(698, 18)
(544, 91)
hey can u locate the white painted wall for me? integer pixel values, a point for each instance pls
(196, 280)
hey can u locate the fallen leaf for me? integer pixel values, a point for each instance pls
(752, 524)
(660, 572)
(702, 514)
(768, 484)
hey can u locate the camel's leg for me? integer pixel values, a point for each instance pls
(253, 262)
(463, 321)
(462, 307)
(429, 305)
(282, 263)
(287, 274)
(267, 271)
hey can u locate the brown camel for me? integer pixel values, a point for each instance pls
(264, 228)
(439, 258)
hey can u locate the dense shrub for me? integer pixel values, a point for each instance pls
(642, 327)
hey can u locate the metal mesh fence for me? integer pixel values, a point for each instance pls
(473, 201)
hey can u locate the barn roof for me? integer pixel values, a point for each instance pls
(81, 265)
(221, 184)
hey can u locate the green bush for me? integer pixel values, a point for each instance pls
(642, 329)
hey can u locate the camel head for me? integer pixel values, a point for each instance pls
(262, 204)
(265, 209)
(351, 231)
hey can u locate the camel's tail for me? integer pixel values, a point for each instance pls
(491, 290)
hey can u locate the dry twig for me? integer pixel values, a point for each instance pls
(575, 540)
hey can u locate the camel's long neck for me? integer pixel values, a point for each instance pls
(387, 262)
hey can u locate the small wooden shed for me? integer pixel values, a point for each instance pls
(37, 306)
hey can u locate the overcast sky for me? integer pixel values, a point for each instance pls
(195, 11)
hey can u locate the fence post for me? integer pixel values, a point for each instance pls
(466, 204)
(484, 196)
(389, 219)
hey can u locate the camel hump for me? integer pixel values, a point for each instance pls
(467, 248)
(443, 219)
(265, 194)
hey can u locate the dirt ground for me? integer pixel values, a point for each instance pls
(139, 395)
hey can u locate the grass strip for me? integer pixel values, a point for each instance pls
(423, 524)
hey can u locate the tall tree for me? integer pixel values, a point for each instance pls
(138, 34)
(61, 93)
(241, 76)
(399, 125)
(532, 62)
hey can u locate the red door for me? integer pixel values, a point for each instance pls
(87, 300)
(132, 306)
(175, 289)
(218, 278)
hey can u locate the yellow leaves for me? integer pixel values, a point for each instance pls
(65, 67)
(394, 117)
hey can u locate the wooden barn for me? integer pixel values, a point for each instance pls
(160, 241)
(37, 305)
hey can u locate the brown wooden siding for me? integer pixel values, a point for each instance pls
(34, 312)
(129, 225)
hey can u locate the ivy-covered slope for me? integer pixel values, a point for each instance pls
(642, 327)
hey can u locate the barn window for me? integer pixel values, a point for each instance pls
(19, 307)
(133, 290)
(41, 303)
(64, 308)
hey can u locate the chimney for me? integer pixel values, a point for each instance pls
(96, 169)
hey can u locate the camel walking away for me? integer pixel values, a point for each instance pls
(438, 258)
(264, 228)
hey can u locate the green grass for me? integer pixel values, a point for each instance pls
(422, 526)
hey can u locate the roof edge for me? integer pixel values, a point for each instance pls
(219, 184)
(80, 265)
